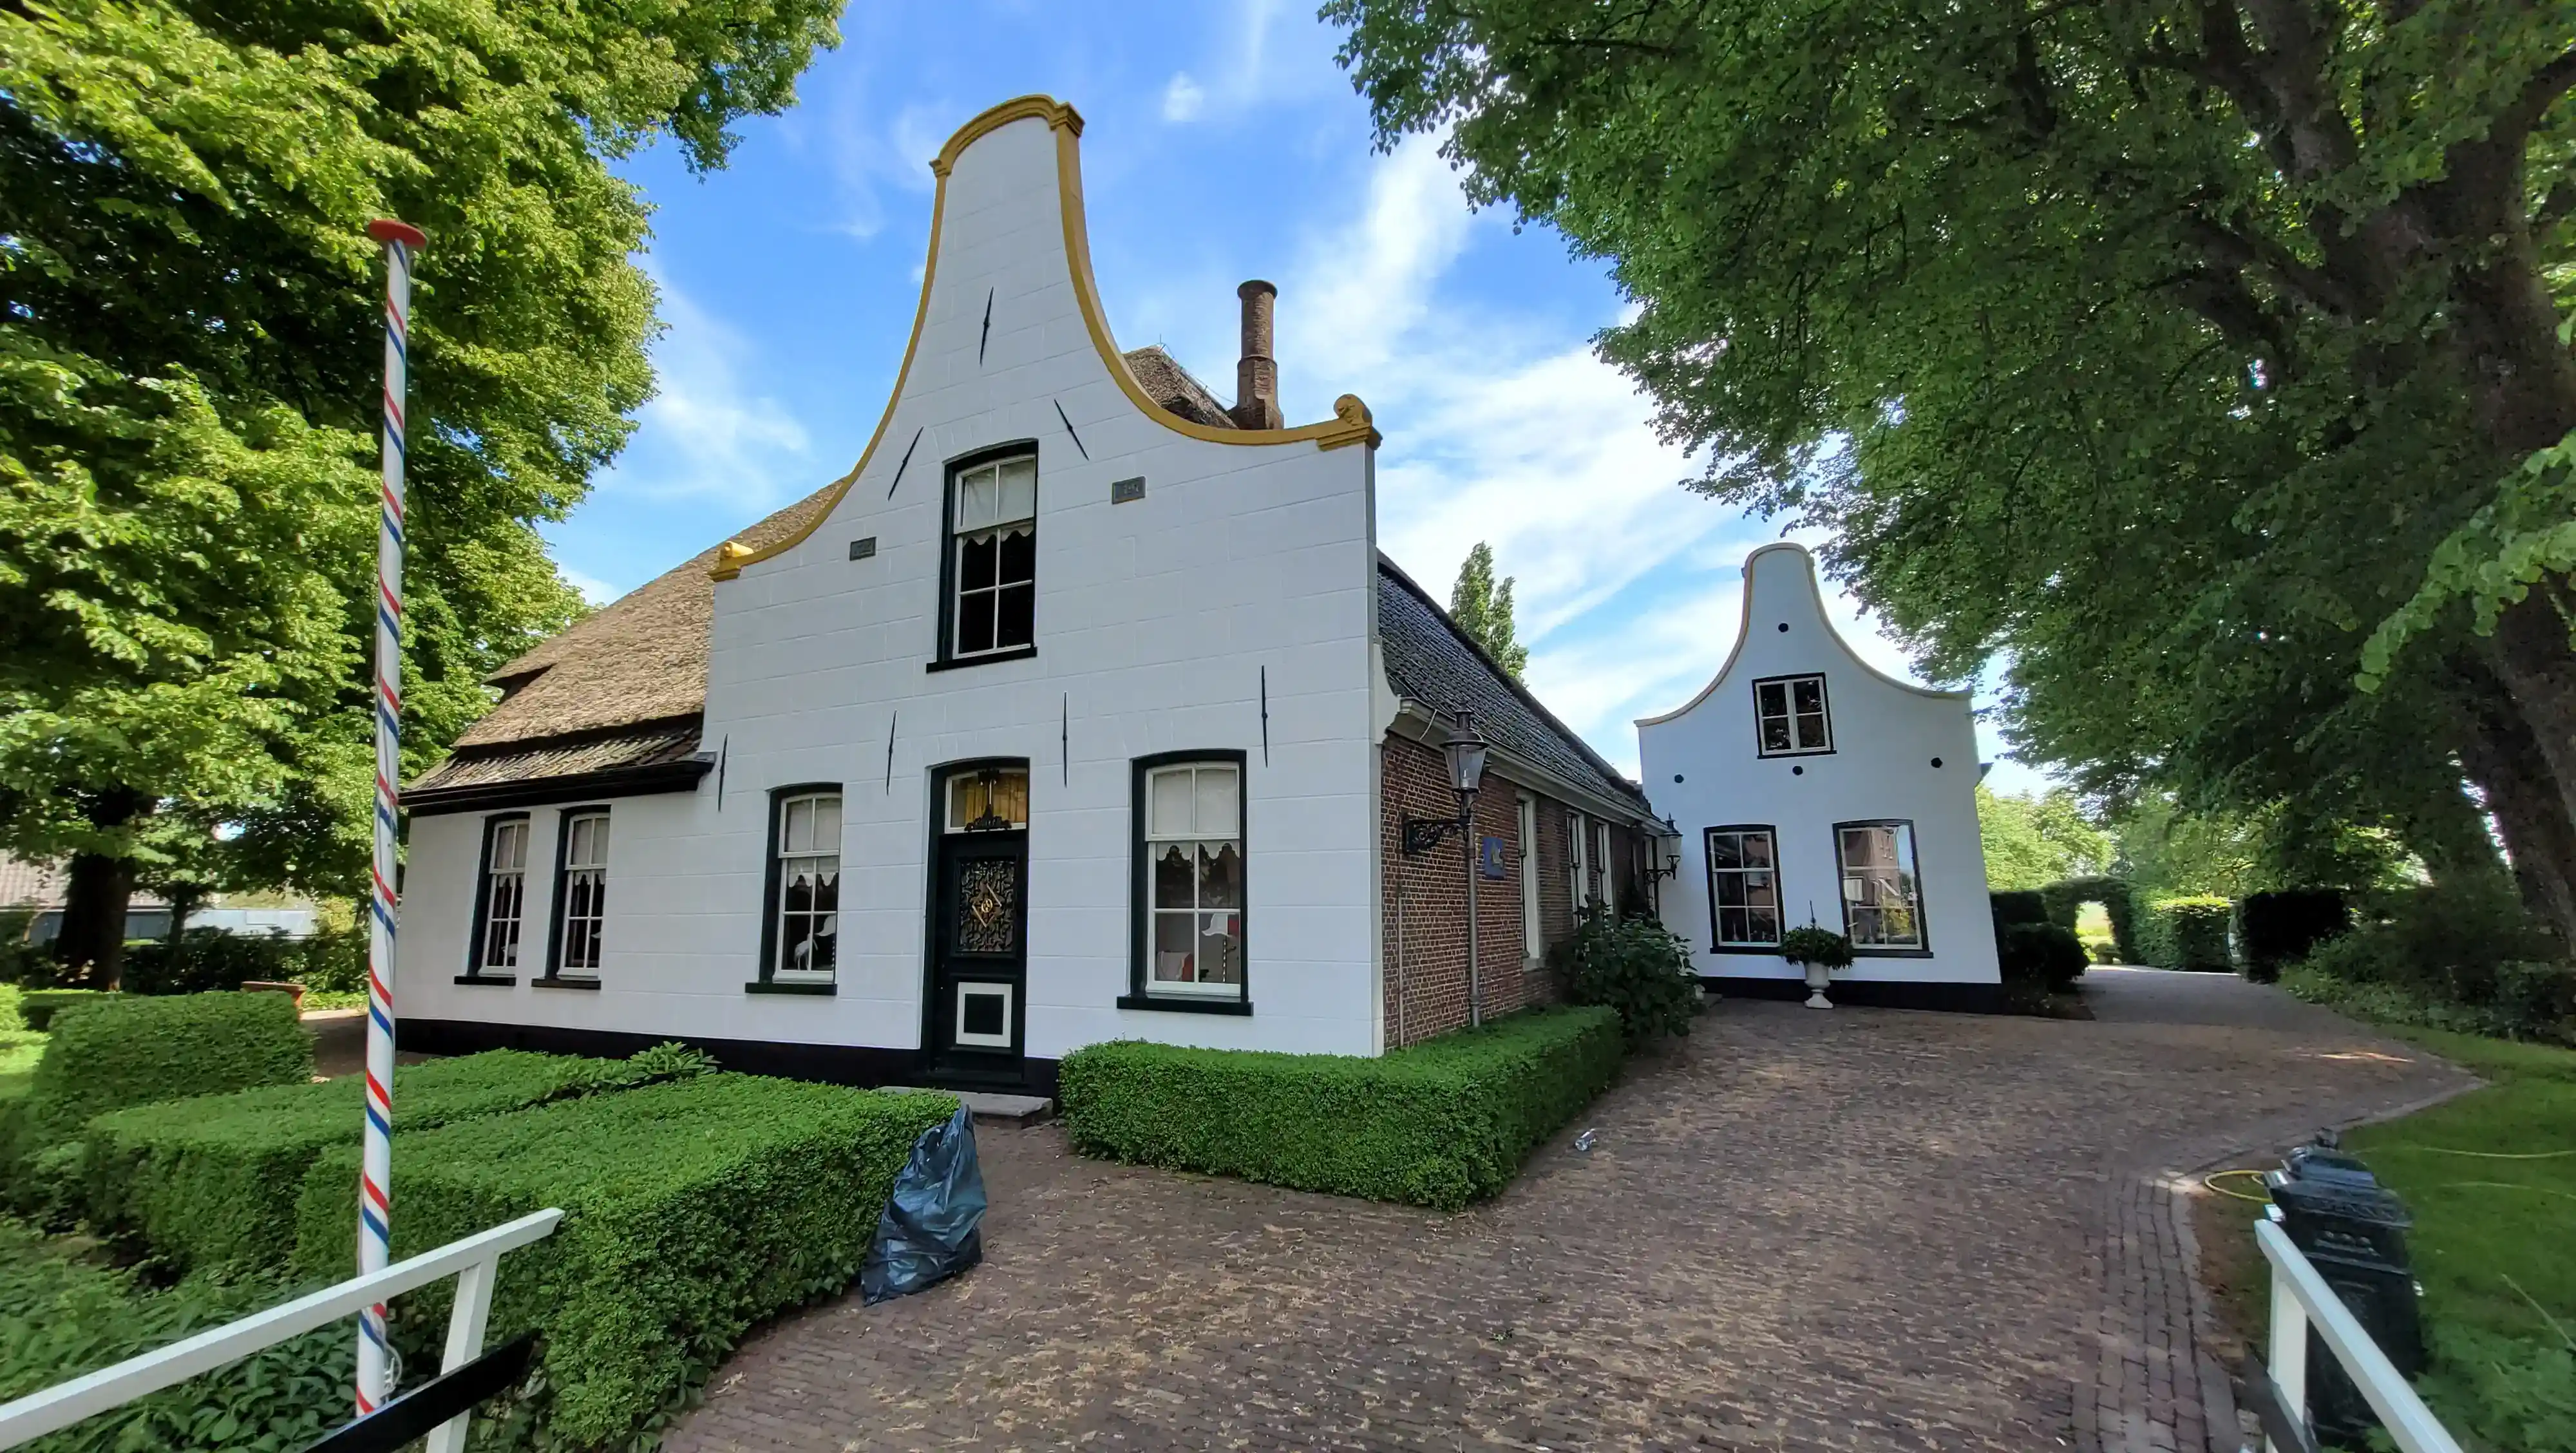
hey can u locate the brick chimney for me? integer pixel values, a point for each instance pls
(1256, 377)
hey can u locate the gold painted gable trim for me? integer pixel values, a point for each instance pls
(1350, 423)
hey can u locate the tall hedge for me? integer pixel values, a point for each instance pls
(691, 1211)
(2186, 933)
(117, 1050)
(1443, 1123)
(2273, 929)
(213, 1181)
(2066, 900)
(2017, 905)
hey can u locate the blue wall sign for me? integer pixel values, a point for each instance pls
(1489, 856)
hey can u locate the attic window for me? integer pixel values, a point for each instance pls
(1790, 717)
(993, 514)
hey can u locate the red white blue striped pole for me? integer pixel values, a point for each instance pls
(375, 1174)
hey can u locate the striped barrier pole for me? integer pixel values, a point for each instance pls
(375, 1174)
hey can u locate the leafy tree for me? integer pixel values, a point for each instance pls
(2172, 347)
(188, 386)
(2031, 842)
(1483, 609)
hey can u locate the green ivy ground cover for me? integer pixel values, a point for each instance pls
(692, 1211)
(1442, 1123)
(212, 1181)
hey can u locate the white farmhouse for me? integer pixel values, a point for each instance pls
(1809, 787)
(1082, 708)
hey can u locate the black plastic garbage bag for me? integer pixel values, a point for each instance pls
(932, 1228)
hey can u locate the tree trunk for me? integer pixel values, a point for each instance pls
(2449, 835)
(94, 918)
(2539, 837)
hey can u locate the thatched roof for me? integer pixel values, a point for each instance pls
(613, 690)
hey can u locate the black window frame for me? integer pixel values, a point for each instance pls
(1922, 947)
(1824, 698)
(555, 911)
(944, 657)
(1140, 911)
(1779, 888)
(766, 980)
(474, 972)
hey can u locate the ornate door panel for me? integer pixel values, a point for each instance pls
(979, 948)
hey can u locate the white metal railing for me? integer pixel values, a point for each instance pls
(2300, 1300)
(474, 1262)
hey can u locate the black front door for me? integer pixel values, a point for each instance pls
(979, 956)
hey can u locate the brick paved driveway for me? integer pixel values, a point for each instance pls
(1849, 1230)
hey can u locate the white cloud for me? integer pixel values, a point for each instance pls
(865, 159)
(1183, 98)
(706, 431)
(593, 589)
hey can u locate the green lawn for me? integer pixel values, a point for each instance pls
(19, 1051)
(2491, 1180)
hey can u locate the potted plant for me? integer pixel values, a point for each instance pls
(1822, 951)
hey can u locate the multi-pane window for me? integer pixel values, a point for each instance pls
(581, 891)
(1578, 851)
(1602, 858)
(988, 801)
(1882, 899)
(1533, 939)
(1789, 713)
(1744, 886)
(995, 523)
(808, 924)
(1193, 844)
(504, 897)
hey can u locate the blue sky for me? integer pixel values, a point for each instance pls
(1222, 142)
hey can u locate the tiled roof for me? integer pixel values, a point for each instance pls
(650, 744)
(1429, 659)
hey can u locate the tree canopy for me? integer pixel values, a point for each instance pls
(1482, 607)
(2169, 348)
(2031, 842)
(189, 310)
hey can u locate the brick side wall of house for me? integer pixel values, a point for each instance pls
(1426, 897)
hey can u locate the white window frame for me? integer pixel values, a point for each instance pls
(1609, 903)
(1802, 743)
(1154, 837)
(985, 504)
(1906, 882)
(505, 867)
(821, 853)
(1533, 932)
(1742, 832)
(585, 867)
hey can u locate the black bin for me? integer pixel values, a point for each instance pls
(2353, 1229)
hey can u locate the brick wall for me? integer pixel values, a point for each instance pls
(1426, 898)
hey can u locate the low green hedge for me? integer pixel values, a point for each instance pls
(213, 1181)
(115, 1050)
(691, 1211)
(1443, 1123)
(37, 1007)
(2186, 933)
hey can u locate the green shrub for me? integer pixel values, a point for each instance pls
(213, 1181)
(2282, 927)
(115, 1050)
(2067, 899)
(205, 961)
(1634, 967)
(2041, 956)
(332, 959)
(2018, 905)
(1442, 1123)
(62, 1316)
(37, 1007)
(1813, 945)
(691, 1211)
(2185, 933)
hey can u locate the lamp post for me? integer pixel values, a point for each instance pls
(1465, 753)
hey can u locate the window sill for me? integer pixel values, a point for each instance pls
(498, 981)
(1859, 952)
(776, 986)
(1809, 752)
(557, 981)
(1179, 1005)
(959, 663)
(1750, 950)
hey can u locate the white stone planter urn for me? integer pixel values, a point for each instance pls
(1819, 979)
(1818, 951)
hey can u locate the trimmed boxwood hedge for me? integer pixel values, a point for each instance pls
(2186, 933)
(691, 1211)
(1443, 1123)
(37, 1007)
(212, 1181)
(117, 1050)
